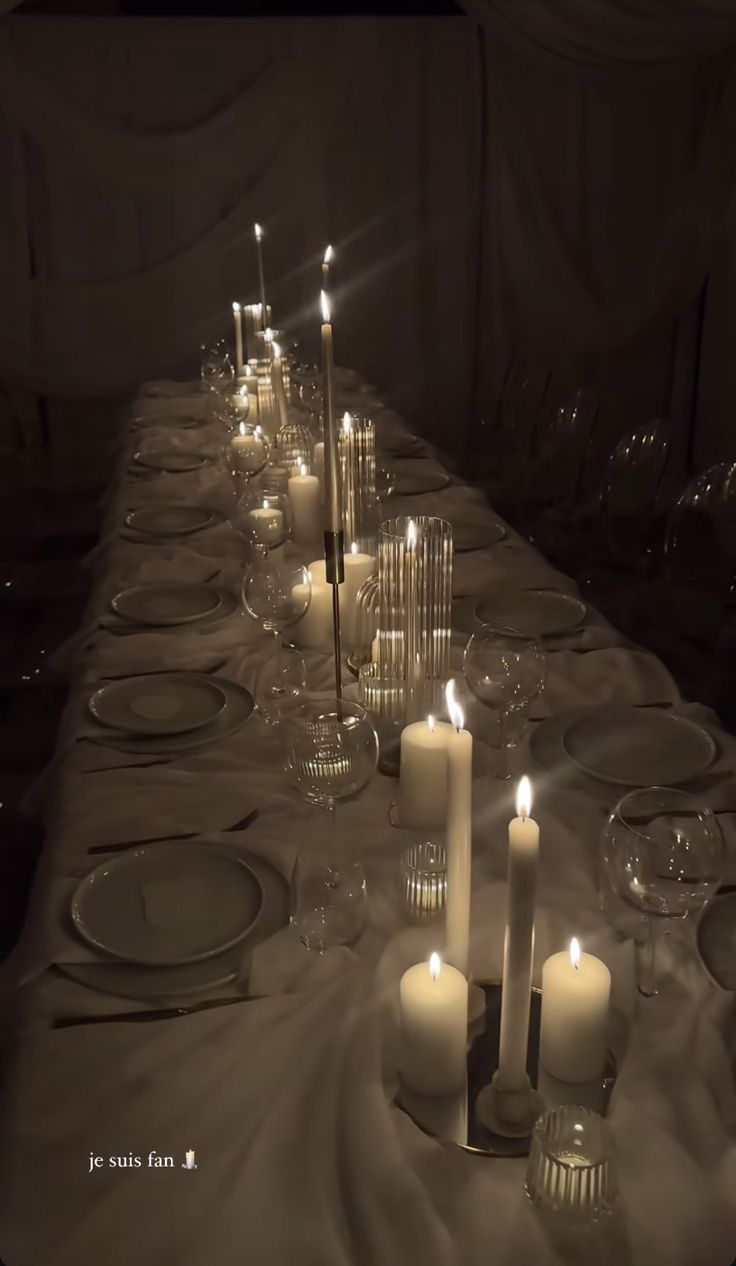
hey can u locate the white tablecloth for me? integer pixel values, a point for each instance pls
(287, 1100)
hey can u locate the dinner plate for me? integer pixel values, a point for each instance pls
(639, 747)
(166, 604)
(716, 938)
(163, 905)
(228, 604)
(159, 703)
(533, 612)
(171, 520)
(129, 980)
(173, 462)
(470, 536)
(412, 483)
(238, 708)
(400, 446)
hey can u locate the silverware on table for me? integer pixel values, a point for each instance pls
(158, 672)
(241, 825)
(141, 1017)
(136, 764)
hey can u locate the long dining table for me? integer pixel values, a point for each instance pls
(288, 1099)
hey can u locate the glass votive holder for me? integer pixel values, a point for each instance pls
(570, 1175)
(382, 696)
(424, 880)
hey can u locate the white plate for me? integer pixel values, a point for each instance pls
(173, 462)
(470, 536)
(166, 905)
(166, 604)
(238, 708)
(716, 937)
(534, 612)
(639, 747)
(128, 980)
(414, 482)
(161, 703)
(227, 606)
(171, 520)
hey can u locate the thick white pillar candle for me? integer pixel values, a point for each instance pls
(241, 400)
(267, 526)
(459, 834)
(518, 944)
(422, 796)
(575, 994)
(358, 567)
(304, 501)
(246, 450)
(314, 630)
(434, 1023)
(238, 320)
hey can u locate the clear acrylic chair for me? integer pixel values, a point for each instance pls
(551, 511)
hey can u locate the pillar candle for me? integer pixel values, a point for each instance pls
(576, 989)
(358, 567)
(422, 799)
(518, 943)
(314, 630)
(459, 841)
(434, 1021)
(267, 525)
(246, 451)
(304, 501)
(238, 319)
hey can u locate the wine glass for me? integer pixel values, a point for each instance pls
(331, 754)
(276, 593)
(662, 854)
(247, 452)
(281, 680)
(262, 516)
(505, 670)
(216, 367)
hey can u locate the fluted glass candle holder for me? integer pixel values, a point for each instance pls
(293, 447)
(570, 1174)
(415, 601)
(424, 880)
(357, 442)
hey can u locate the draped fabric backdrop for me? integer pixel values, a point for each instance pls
(547, 180)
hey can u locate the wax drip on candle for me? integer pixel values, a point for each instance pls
(435, 966)
(457, 717)
(575, 953)
(524, 798)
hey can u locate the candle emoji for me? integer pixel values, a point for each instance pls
(433, 1000)
(459, 835)
(576, 988)
(238, 320)
(519, 943)
(258, 233)
(333, 483)
(303, 490)
(328, 258)
(189, 1161)
(422, 799)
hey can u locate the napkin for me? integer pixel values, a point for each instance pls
(615, 675)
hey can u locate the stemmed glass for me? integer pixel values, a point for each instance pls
(331, 754)
(262, 516)
(662, 854)
(277, 594)
(216, 367)
(505, 670)
(247, 452)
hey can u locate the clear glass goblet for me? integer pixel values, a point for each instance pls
(505, 670)
(247, 452)
(280, 682)
(262, 516)
(216, 367)
(662, 853)
(276, 593)
(329, 904)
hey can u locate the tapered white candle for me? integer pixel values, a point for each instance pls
(258, 232)
(459, 835)
(333, 483)
(576, 988)
(238, 320)
(303, 490)
(277, 379)
(411, 608)
(433, 999)
(519, 943)
(318, 462)
(422, 799)
(328, 258)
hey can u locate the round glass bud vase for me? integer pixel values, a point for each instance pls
(366, 624)
(293, 446)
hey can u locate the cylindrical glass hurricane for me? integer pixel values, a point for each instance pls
(357, 441)
(570, 1174)
(415, 600)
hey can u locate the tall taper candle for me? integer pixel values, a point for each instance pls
(333, 483)
(519, 944)
(277, 380)
(238, 319)
(459, 836)
(329, 256)
(258, 231)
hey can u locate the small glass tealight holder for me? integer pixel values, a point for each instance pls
(570, 1176)
(424, 880)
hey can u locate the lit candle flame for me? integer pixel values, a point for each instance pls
(259, 432)
(354, 548)
(243, 391)
(241, 428)
(258, 232)
(236, 307)
(430, 722)
(268, 335)
(435, 966)
(411, 535)
(347, 423)
(325, 305)
(304, 469)
(265, 505)
(457, 716)
(575, 952)
(524, 798)
(329, 254)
